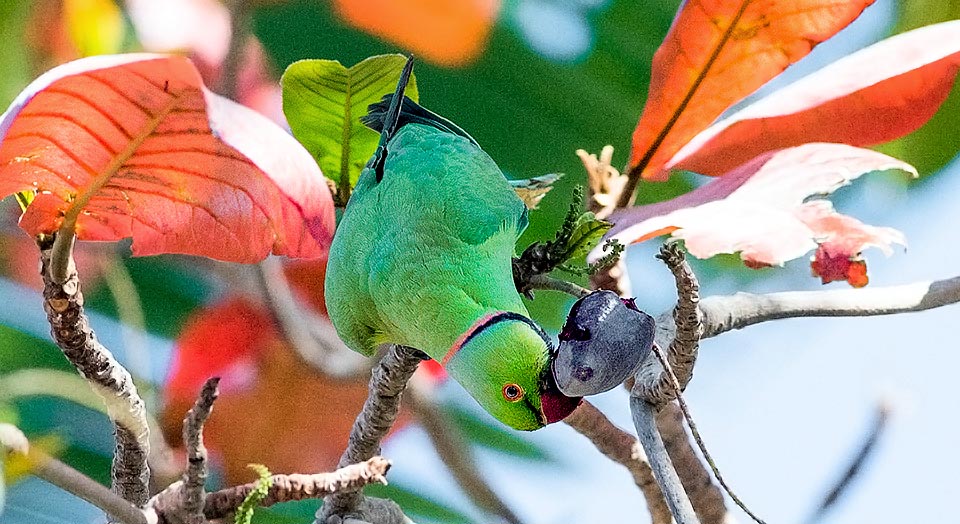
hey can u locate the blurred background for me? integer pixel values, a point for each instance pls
(782, 406)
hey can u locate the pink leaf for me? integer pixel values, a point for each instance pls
(873, 96)
(135, 146)
(762, 208)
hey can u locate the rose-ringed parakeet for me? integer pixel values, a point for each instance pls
(422, 257)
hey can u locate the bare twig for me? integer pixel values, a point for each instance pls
(312, 337)
(556, 284)
(71, 330)
(454, 451)
(853, 470)
(696, 434)
(65, 477)
(387, 382)
(644, 418)
(192, 494)
(684, 330)
(624, 449)
(167, 505)
(725, 313)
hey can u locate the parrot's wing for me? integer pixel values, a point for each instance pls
(532, 190)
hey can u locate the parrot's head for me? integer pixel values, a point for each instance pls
(504, 363)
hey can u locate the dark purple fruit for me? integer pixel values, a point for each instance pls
(601, 344)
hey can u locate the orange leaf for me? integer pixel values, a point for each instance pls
(135, 146)
(444, 32)
(716, 53)
(875, 95)
(267, 394)
(763, 209)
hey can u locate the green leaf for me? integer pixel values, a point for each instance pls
(588, 230)
(323, 102)
(245, 511)
(934, 145)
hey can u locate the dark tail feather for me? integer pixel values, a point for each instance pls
(389, 119)
(410, 113)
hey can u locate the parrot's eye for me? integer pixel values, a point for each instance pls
(512, 392)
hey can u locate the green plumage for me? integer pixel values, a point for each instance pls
(423, 254)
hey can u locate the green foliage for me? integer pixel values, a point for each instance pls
(244, 513)
(323, 102)
(932, 146)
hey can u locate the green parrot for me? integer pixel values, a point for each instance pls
(422, 258)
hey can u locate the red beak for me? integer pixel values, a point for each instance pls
(554, 404)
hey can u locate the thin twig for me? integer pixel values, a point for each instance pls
(853, 470)
(387, 382)
(725, 313)
(72, 481)
(454, 451)
(312, 337)
(696, 434)
(71, 330)
(624, 449)
(644, 418)
(194, 478)
(556, 284)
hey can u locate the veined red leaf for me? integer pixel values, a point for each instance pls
(875, 95)
(763, 210)
(136, 146)
(716, 53)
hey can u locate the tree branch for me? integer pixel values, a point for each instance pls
(192, 494)
(387, 382)
(454, 451)
(644, 418)
(167, 505)
(705, 495)
(13, 441)
(71, 330)
(624, 449)
(556, 284)
(726, 313)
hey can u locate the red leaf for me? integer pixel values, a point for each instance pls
(222, 340)
(267, 394)
(136, 146)
(875, 95)
(762, 209)
(716, 53)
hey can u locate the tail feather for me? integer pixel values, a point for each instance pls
(390, 118)
(410, 113)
